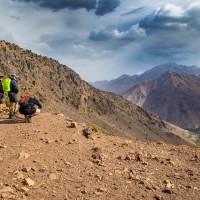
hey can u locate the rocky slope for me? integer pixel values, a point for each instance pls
(48, 159)
(174, 97)
(125, 82)
(60, 89)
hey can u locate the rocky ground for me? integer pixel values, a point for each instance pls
(49, 159)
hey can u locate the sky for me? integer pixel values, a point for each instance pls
(104, 39)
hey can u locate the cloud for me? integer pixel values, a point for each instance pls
(172, 34)
(101, 7)
(105, 6)
(169, 33)
(194, 16)
(105, 37)
(169, 17)
(134, 33)
(61, 4)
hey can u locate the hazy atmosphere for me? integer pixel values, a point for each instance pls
(103, 39)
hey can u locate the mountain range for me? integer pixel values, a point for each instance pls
(171, 91)
(125, 82)
(61, 90)
(172, 96)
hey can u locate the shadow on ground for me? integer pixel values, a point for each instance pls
(4, 120)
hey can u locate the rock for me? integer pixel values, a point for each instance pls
(128, 182)
(128, 141)
(23, 155)
(60, 114)
(131, 176)
(43, 168)
(127, 157)
(3, 146)
(52, 176)
(26, 169)
(19, 175)
(66, 197)
(166, 181)
(98, 176)
(148, 187)
(87, 132)
(97, 193)
(6, 190)
(24, 189)
(73, 125)
(98, 154)
(177, 176)
(169, 185)
(172, 163)
(158, 197)
(165, 190)
(68, 163)
(139, 157)
(101, 190)
(84, 191)
(144, 163)
(8, 196)
(126, 170)
(119, 157)
(29, 182)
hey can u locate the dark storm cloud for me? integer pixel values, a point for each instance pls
(194, 18)
(153, 23)
(60, 4)
(164, 24)
(160, 21)
(101, 7)
(167, 34)
(171, 36)
(106, 6)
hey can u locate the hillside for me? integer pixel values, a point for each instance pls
(60, 89)
(172, 96)
(47, 159)
(125, 82)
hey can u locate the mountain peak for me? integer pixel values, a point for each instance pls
(170, 74)
(170, 78)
